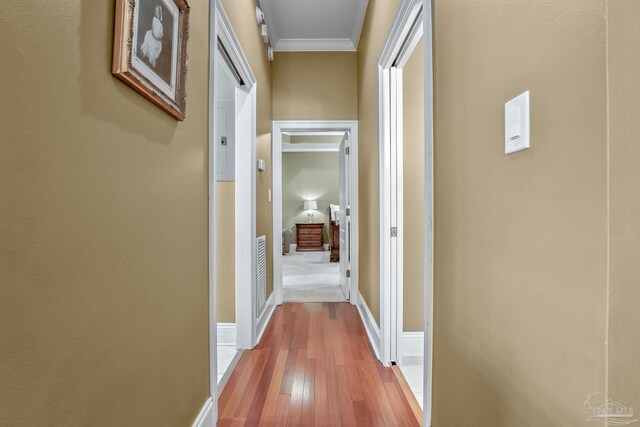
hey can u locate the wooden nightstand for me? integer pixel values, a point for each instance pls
(309, 237)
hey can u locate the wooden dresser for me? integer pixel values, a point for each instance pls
(309, 236)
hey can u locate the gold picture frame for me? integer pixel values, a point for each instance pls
(150, 51)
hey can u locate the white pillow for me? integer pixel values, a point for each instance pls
(334, 211)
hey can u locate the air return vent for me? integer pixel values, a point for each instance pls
(261, 282)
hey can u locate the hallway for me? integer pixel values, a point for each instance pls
(313, 366)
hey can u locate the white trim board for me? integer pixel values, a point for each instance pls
(265, 316)
(245, 225)
(412, 344)
(370, 325)
(232, 45)
(227, 373)
(206, 416)
(304, 126)
(428, 209)
(210, 409)
(226, 333)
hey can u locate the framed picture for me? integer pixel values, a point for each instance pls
(150, 50)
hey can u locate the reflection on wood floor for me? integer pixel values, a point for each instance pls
(313, 367)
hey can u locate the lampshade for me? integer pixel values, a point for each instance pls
(310, 204)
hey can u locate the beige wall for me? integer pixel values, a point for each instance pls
(532, 313)
(308, 176)
(624, 238)
(376, 26)
(225, 252)
(104, 248)
(104, 252)
(413, 164)
(520, 240)
(315, 86)
(241, 13)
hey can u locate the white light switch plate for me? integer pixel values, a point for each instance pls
(516, 124)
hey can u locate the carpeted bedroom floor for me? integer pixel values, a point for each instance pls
(310, 277)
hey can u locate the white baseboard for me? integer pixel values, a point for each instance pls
(265, 316)
(227, 331)
(226, 334)
(412, 344)
(370, 325)
(206, 417)
(227, 374)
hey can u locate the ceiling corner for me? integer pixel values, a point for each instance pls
(359, 22)
(268, 18)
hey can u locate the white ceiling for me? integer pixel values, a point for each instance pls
(314, 25)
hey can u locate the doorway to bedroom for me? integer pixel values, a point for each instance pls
(310, 207)
(313, 173)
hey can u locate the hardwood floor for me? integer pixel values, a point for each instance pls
(314, 367)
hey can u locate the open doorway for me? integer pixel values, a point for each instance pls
(228, 352)
(314, 211)
(405, 193)
(311, 177)
(233, 242)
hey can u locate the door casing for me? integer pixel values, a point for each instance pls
(404, 35)
(220, 29)
(310, 126)
(345, 220)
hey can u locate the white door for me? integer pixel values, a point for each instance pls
(345, 217)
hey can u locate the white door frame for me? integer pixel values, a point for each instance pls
(402, 40)
(279, 127)
(245, 126)
(344, 224)
(407, 30)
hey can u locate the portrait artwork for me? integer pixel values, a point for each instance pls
(150, 50)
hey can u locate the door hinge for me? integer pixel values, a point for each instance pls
(394, 231)
(347, 150)
(348, 274)
(348, 212)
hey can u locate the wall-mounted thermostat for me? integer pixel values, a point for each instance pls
(262, 166)
(516, 124)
